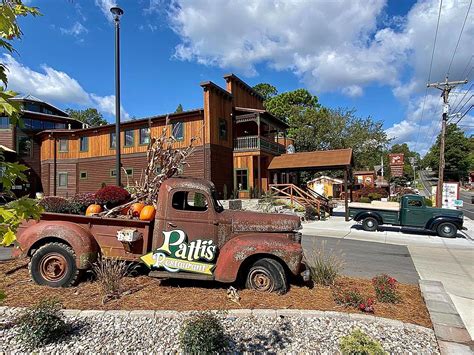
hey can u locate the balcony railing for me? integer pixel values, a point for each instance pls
(256, 143)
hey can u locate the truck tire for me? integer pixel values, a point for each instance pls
(267, 275)
(447, 230)
(370, 224)
(54, 265)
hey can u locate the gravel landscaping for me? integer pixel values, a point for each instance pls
(268, 331)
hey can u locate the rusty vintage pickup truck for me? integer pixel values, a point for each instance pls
(191, 237)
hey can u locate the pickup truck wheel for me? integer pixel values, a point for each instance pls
(370, 224)
(267, 275)
(447, 230)
(54, 264)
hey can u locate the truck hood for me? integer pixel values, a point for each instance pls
(246, 221)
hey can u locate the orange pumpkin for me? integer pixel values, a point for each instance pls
(136, 208)
(147, 213)
(93, 209)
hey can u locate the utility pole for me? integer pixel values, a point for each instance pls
(445, 88)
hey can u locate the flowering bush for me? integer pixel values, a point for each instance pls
(55, 204)
(112, 196)
(386, 288)
(353, 298)
(80, 202)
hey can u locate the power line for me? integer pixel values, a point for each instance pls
(465, 94)
(467, 66)
(459, 38)
(429, 74)
(464, 114)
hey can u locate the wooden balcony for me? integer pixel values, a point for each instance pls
(250, 143)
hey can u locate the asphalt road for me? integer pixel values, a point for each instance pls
(367, 259)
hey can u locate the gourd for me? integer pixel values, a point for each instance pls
(136, 208)
(147, 213)
(93, 209)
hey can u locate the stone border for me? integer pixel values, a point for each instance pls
(450, 331)
(233, 313)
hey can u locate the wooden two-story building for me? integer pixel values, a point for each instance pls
(237, 139)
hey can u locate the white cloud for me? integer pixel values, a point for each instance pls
(105, 6)
(75, 30)
(55, 86)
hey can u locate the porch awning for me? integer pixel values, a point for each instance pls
(317, 160)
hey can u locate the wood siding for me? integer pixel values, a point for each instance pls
(243, 95)
(6, 138)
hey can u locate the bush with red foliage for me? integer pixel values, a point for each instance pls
(55, 204)
(386, 288)
(80, 202)
(112, 196)
(353, 298)
(368, 191)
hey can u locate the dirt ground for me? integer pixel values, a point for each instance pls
(152, 294)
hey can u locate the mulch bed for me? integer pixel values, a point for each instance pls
(151, 294)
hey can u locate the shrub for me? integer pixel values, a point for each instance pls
(359, 343)
(353, 298)
(367, 191)
(55, 204)
(80, 202)
(41, 324)
(2, 295)
(203, 334)
(364, 200)
(325, 266)
(109, 274)
(386, 289)
(374, 196)
(310, 213)
(428, 202)
(112, 196)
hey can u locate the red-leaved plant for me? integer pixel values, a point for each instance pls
(386, 288)
(353, 298)
(112, 196)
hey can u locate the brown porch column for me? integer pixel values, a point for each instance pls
(259, 172)
(55, 166)
(346, 202)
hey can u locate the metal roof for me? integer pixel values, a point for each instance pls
(29, 97)
(317, 160)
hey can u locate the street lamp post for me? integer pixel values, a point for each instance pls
(117, 12)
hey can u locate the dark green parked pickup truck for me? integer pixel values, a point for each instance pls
(411, 212)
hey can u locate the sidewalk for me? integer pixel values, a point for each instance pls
(450, 261)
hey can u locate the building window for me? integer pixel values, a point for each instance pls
(48, 125)
(62, 179)
(83, 175)
(60, 125)
(178, 130)
(84, 144)
(144, 135)
(113, 173)
(63, 144)
(241, 179)
(37, 125)
(223, 129)
(4, 123)
(112, 140)
(128, 172)
(129, 137)
(25, 147)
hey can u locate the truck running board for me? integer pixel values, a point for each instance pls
(179, 275)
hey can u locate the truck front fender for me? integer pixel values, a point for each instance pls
(364, 214)
(80, 240)
(434, 222)
(239, 249)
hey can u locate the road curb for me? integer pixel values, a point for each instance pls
(450, 331)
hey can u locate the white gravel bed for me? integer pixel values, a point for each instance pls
(281, 334)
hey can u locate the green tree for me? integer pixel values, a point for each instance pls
(12, 214)
(458, 154)
(179, 109)
(266, 90)
(90, 116)
(292, 104)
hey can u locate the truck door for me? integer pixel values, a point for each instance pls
(413, 212)
(192, 212)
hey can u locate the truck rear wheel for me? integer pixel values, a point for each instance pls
(267, 275)
(54, 264)
(370, 224)
(447, 230)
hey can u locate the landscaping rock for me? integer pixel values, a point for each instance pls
(263, 331)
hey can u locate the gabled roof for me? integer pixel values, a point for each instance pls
(29, 97)
(317, 160)
(263, 112)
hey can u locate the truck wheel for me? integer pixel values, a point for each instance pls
(267, 275)
(447, 230)
(54, 264)
(370, 224)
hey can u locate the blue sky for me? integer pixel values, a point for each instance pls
(369, 55)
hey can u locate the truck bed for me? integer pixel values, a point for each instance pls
(104, 231)
(389, 211)
(376, 205)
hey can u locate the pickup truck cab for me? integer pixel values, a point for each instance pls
(191, 237)
(411, 212)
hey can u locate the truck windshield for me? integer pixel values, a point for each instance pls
(217, 205)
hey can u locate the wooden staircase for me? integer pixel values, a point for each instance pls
(303, 197)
